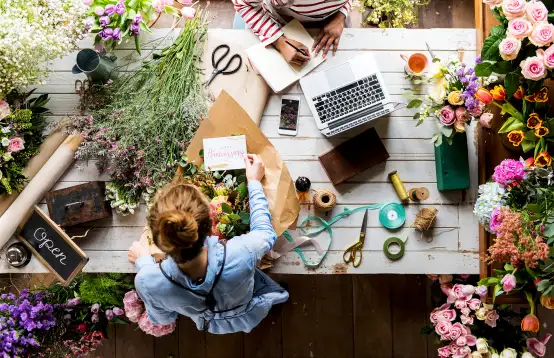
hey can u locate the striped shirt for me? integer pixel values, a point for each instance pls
(263, 16)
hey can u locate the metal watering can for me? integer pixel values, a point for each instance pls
(98, 68)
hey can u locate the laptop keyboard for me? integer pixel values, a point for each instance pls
(348, 99)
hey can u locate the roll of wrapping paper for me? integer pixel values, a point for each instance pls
(398, 186)
(48, 147)
(43, 181)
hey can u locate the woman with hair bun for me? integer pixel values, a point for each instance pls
(214, 283)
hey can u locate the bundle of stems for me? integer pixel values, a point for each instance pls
(139, 125)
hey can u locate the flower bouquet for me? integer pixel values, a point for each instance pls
(115, 21)
(452, 100)
(21, 124)
(136, 313)
(389, 14)
(30, 37)
(468, 328)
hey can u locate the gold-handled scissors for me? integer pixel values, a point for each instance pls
(354, 253)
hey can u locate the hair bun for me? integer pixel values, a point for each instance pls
(178, 227)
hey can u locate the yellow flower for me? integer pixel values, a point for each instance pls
(541, 132)
(543, 159)
(516, 137)
(455, 98)
(547, 302)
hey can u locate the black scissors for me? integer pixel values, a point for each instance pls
(225, 70)
(354, 253)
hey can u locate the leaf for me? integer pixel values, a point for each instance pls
(415, 103)
(137, 44)
(242, 190)
(511, 83)
(543, 285)
(511, 124)
(497, 30)
(497, 291)
(234, 217)
(490, 51)
(201, 153)
(241, 178)
(226, 208)
(548, 230)
(488, 281)
(549, 291)
(534, 208)
(245, 217)
(447, 131)
(527, 145)
(530, 135)
(509, 108)
(508, 267)
(502, 67)
(484, 69)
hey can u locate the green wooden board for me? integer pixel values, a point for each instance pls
(452, 164)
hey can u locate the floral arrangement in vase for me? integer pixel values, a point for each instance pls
(452, 100)
(31, 38)
(386, 14)
(115, 21)
(22, 121)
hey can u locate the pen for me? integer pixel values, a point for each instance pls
(297, 49)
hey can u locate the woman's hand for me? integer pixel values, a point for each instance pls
(255, 169)
(289, 53)
(137, 250)
(330, 35)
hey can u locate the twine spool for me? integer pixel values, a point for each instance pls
(324, 199)
(398, 186)
(425, 219)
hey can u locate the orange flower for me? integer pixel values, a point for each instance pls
(547, 302)
(540, 96)
(519, 93)
(530, 323)
(498, 93)
(529, 162)
(516, 137)
(484, 95)
(543, 159)
(541, 131)
(534, 121)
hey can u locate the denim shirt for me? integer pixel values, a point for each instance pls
(165, 300)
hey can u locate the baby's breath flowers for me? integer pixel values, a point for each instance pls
(33, 32)
(386, 13)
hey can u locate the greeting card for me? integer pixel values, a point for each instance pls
(224, 153)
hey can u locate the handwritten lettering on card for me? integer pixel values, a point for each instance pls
(224, 153)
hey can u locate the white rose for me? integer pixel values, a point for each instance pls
(476, 355)
(438, 91)
(508, 353)
(5, 142)
(527, 355)
(495, 355)
(482, 345)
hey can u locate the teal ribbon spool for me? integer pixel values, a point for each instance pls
(326, 226)
(392, 216)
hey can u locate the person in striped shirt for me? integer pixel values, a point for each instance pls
(266, 17)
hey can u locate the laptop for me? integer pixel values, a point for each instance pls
(347, 95)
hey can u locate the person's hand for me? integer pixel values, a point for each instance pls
(289, 53)
(330, 35)
(137, 250)
(255, 169)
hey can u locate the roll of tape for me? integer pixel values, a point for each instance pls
(391, 241)
(392, 215)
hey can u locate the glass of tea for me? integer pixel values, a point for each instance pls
(416, 64)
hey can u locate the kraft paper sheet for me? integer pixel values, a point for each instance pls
(227, 117)
(43, 181)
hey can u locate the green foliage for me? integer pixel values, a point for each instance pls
(106, 289)
(511, 83)
(387, 13)
(490, 51)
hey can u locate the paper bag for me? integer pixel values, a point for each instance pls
(246, 86)
(226, 117)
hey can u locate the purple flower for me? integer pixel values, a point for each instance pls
(508, 171)
(110, 10)
(116, 36)
(478, 60)
(72, 302)
(109, 315)
(470, 71)
(137, 19)
(481, 290)
(118, 311)
(105, 21)
(95, 318)
(99, 10)
(95, 308)
(120, 8)
(135, 29)
(106, 34)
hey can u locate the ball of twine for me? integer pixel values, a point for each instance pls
(324, 199)
(425, 219)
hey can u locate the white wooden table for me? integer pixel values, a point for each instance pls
(454, 247)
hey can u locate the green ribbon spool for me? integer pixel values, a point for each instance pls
(390, 255)
(392, 215)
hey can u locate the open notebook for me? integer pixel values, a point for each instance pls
(272, 66)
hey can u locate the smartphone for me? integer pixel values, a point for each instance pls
(288, 120)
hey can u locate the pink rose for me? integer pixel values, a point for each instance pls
(447, 315)
(509, 48)
(459, 304)
(461, 341)
(462, 352)
(134, 307)
(533, 68)
(188, 13)
(444, 352)
(513, 8)
(443, 328)
(492, 3)
(508, 282)
(476, 112)
(519, 28)
(538, 347)
(447, 115)
(4, 109)
(462, 114)
(474, 304)
(156, 330)
(486, 120)
(466, 319)
(542, 34)
(548, 57)
(471, 340)
(463, 292)
(456, 331)
(16, 144)
(536, 11)
(491, 317)
(465, 311)
(118, 311)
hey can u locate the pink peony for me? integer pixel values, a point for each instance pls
(542, 34)
(466, 319)
(134, 307)
(188, 13)
(533, 68)
(491, 317)
(474, 304)
(513, 8)
(519, 28)
(493, 3)
(538, 347)
(509, 48)
(536, 11)
(4, 109)
(447, 116)
(548, 57)
(444, 352)
(508, 282)
(156, 330)
(508, 171)
(486, 120)
(443, 328)
(16, 144)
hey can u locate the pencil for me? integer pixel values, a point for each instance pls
(297, 49)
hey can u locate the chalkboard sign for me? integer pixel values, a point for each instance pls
(52, 246)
